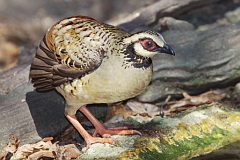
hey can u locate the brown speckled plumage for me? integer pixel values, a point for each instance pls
(72, 48)
(91, 62)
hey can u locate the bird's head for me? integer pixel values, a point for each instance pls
(148, 43)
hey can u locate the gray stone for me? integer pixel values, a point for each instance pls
(204, 60)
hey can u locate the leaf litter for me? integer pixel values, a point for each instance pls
(42, 149)
(167, 108)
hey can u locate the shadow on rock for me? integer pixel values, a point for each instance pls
(47, 111)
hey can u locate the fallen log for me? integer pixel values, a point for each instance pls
(189, 134)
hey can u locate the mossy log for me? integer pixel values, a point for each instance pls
(186, 135)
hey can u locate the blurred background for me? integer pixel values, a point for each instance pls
(24, 22)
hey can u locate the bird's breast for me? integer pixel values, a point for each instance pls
(111, 82)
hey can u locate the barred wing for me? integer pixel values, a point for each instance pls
(47, 70)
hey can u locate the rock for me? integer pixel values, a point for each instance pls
(204, 60)
(169, 23)
(30, 115)
(147, 17)
(230, 152)
(233, 16)
(8, 55)
(237, 91)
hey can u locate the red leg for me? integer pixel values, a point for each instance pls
(88, 138)
(114, 128)
(101, 129)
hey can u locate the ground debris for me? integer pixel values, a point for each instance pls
(44, 148)
(134, 107)
(10, 148)
(143, 109)
(189, 102)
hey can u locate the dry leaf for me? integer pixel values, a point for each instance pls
(43, 148)
(144, 109)
(192, 101)
(132, 108)
(23, 152)
(116, 109)
(10, 148)
(69, 151)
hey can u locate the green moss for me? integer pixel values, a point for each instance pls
(192, 133)
(197, 80)
(214, 129)
(133, 122)
(182, 148)
(235, 74)
(182, 114)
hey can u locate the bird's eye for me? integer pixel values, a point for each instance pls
(148, 44)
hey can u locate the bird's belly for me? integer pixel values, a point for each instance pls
(118, 88)
(107, 86)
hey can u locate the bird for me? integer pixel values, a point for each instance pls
(90, 62)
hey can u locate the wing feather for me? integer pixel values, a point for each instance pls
(47, 72)
(55, 64)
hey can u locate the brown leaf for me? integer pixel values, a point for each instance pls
(45, 148)
(10, 148)
(192, 101)
(26, 150)
(118, 108)
(70, 151)
(144, 109)
(132, 108)
(47, 139)
(42, 153)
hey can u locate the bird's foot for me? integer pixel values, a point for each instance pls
(107, 132)
(113, 128)
(119, 127)
(90, 140)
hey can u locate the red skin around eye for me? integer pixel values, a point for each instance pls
(148, 47)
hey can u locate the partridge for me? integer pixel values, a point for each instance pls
(87, 62)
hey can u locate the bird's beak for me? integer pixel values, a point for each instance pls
(165, 49)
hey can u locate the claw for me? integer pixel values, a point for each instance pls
(137, 132)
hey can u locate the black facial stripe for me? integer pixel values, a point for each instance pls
(136, 60)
